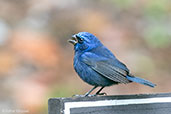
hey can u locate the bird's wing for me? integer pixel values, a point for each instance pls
(122, 66)
(107, 69)
(110, 71)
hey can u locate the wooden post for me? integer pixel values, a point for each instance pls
(118, 104)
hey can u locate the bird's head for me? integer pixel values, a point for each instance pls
(84, 41)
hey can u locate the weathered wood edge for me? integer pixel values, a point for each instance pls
(117, 97)
(56, 105)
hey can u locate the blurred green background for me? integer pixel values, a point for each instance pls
(36, 60)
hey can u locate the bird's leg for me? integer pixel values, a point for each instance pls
(98, 92)
(87, 94)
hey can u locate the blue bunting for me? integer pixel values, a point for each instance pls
(97, 66)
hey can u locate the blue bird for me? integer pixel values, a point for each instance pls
(97, 66)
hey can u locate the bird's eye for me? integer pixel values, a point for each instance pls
(80, 40)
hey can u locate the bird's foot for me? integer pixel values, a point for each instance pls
(97, 94)
(78, 96)
(101, 94)
(83, 95)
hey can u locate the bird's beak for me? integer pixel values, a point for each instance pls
(73, 40)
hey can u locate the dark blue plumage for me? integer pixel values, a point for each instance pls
(97, 66)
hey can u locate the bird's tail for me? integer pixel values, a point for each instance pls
(140, 80)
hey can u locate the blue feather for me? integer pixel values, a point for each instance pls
(140, 80)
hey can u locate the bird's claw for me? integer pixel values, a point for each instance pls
(78, 96)
(101, 94)
(83, 95)
(97, 94)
